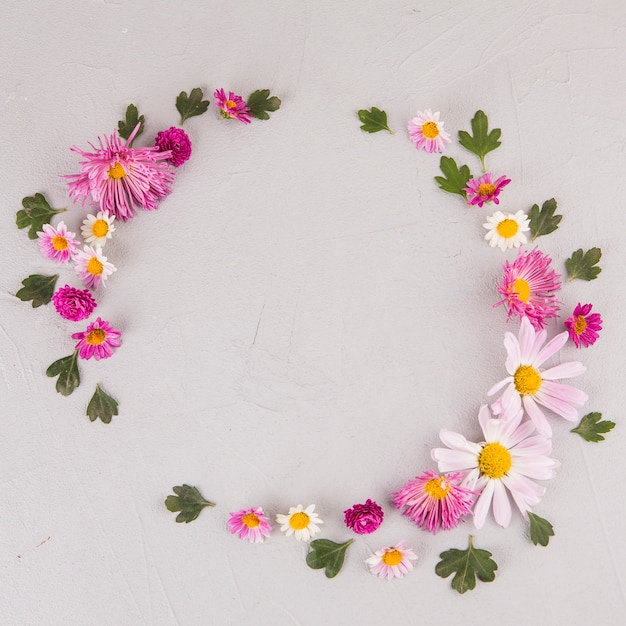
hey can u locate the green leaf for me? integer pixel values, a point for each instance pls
(38, 288)
(126, 126)
(189, 501)
(260, 102)
(544, 221)
(191, 105)
(374, 120)
(481, 141)
(582, 265)
(328, 555)
(36, 213)
(590, 427)
(101, 406)
(454, 180)
(466, 565)
(67, 371)
(540, 530)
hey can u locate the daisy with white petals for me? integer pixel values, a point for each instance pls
(392, 562)
(506, 230)
(300, 522)
(92, 267)
(96, 229)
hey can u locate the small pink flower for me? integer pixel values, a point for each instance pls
(57, 243)
(250, 524)
(177, 142)
(232, 107)
(73, 304)
(98, 340)
(393, 562)
(364, 518)
(427, 133)
(583, 326)
(484, 189)
(92, 266)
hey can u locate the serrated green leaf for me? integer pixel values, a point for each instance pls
(374, 120)
(590, 427)
(328, 555)
(259, 102)
(189, 501)
(126, 126)
(454, 180)
(481, 141)
(466, 565)
(38, 288)
(540, 530)
(101, 406)
(191, 105)
(36, 213)
(544, 221)
(67, 371)
(582, 265)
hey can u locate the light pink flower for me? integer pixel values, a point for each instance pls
(583, 326)
(73, 304)
(427, 133)
(233, 106)
(393, 562)
(485, 189)
(92, 267)
(57, 243)
(250, 524)
(177, 142)
(364, 518)
(98, 341)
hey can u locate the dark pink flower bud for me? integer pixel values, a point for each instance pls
(73, 304)
(364, 518)
(176, 140)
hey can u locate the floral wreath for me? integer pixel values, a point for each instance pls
(471, 478)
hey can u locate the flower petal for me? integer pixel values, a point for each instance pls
(537, 416)
(501, 504)
(552, 347)
(564, 370)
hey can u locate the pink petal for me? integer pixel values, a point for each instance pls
(481, 508)
(498, 386)
(537, 416)
(564, 370)
(552, 347)
(454, 460)
(524, 491)
(501, 505)
(567, 393)
(514, 357)
(527, 338)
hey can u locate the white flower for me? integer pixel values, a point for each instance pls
(300, 522)
(97, 229)
(392, 562)
(506, 230)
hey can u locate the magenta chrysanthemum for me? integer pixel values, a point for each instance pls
(233, 106)
(57, 243)
(73, 304)
(177, 142)
(364, 518)
(485, 189)
(583, 326)
(427, 133)
(120, 178)
(435, 501)
(529, 285)
(250, 524)
(98, 341)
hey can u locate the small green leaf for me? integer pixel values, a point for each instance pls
(38, 288)
(582, 265)
(260, 102)
(466, 565)
(36, 213)
(374, 120)
(189, 501)
(454, 180)
(67, 371)
(544, 221)
(101, 406)
(540, 530)
(481, 141)
(191, 105)
(126, 126)
(328, 555)
(590, 427)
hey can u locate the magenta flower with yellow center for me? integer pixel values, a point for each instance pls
(57, 243)
(92, 267)
(250, 524)
(427, 133)
(583, 326)
(485, 189)
(232, 106)
(392, 562)
(98, 341)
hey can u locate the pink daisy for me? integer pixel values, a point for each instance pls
(435, 501)
(427, 133)
(364, 518)
(57, 243)
(484, 189)
(392, 562)
(233, 107)
(73, 304)
(250, 524)
(509, 460)
(98, 340)
(528, 286)
(531, 386)
(120, 178)
(92, 267)
(177, 142)
(583, 326)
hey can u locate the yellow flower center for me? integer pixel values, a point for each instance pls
(94, 266)
(507, 228)
(100, 228)
(527, 380)
(437, 488)
(522, 288)
(486, 189)
(96, 337)
(59, 243)
(299, 521)
(250, 520)
(494, 460)
(392, 557)
(430, 130)
(231, 104)
(116, 171)
(581, 325)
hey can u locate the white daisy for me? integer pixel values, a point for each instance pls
(301, 522)
(96, 229)
(506, 230)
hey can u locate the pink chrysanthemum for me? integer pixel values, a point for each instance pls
(177, 142)
(57, 243)
(427, 133)
(98, 340)
(485, 189)
(583, 326)
(392, 562)
(364, 518)
(531, 386)
(528, 286)
(120, 178)
(250, 524)
(73, 304)
(435, 501)
(92, 267)
(233, 106)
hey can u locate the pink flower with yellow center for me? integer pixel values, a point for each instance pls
(98, 341)
(583, 326)
(250, 524)
(485, 189)
(233, 106)
(427, 133)
(57, 243)
(92, 267)
(393, 562)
